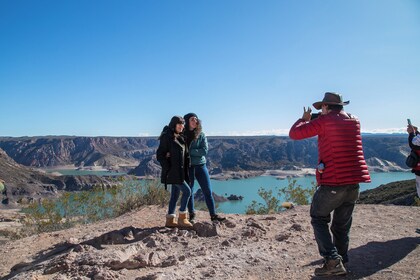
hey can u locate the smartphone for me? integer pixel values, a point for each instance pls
(409, 121)
(315, 115)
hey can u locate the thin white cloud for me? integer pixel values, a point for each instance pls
(386, 130)
(144, 134)
(285, 132)
(277, 132)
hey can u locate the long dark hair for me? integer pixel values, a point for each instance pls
(170, 128)
(196, 132)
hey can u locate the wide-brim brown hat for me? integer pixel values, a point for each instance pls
(331, 98)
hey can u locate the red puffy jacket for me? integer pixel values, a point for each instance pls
(339, 147)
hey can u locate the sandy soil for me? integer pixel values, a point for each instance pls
(384, 245)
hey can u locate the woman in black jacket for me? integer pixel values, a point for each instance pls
(172, 155)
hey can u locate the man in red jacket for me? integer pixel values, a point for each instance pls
(341, 167)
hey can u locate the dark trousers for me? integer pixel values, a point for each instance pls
(341, 200)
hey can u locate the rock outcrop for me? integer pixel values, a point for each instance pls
(199, 196)
(148, 167)
(396, 193)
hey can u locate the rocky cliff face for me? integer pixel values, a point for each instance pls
(259, 153)
(78, 151)
(383, 153)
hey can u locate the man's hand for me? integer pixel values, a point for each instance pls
(411, 128)
(306, 114)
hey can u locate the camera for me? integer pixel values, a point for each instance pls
(315, 115)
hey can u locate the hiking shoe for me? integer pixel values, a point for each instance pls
(192, 217)
(217, 218)
(331, 267)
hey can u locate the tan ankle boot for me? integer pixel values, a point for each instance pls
(183, 220)
(171, 220)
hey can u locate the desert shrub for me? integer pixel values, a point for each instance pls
(272, 204)
(297, 194)
(137, 195)
(416, 201)
(12, 234)
(43, 217)
(89, 206)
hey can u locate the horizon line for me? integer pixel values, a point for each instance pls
(377, 132)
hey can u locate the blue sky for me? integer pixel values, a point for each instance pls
(124, 68)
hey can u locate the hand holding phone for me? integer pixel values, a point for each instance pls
(411, 128)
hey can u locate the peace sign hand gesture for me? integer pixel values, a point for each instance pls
(307, 114)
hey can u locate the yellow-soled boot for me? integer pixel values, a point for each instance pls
(171, 220)
(183, 220)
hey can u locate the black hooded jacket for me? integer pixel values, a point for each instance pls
(174, 167)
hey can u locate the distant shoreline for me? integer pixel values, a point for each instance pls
(87, 170)
(72, 167)
(279, 174)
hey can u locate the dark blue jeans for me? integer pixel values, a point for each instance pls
(341, 200)
(201, 173)
(186, 193)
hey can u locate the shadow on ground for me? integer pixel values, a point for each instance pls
(375, 256)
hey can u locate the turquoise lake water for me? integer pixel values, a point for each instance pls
(248, 188)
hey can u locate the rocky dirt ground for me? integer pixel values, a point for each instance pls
(384, 245)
